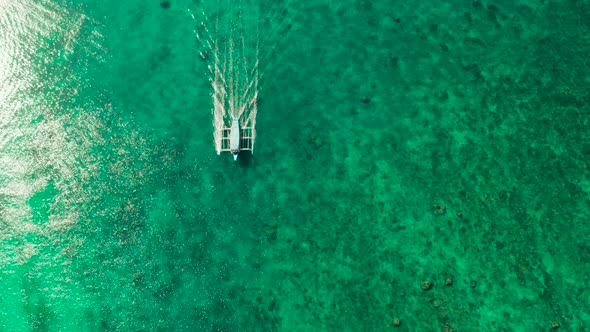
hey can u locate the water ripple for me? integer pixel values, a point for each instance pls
(46, 132)
(12, 30)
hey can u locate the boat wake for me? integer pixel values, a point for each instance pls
(229, 33)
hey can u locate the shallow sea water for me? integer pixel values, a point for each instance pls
(398, 143)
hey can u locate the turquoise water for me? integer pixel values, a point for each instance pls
(397, 143)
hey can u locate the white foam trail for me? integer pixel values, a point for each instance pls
(229, 35)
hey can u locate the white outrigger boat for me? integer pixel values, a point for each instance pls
(235, 138)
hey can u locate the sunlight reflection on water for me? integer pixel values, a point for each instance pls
(44, 135)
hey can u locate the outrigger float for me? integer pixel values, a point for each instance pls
(235, 138)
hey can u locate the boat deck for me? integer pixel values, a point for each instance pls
(246, 139)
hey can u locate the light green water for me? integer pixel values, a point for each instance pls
(117, 214)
